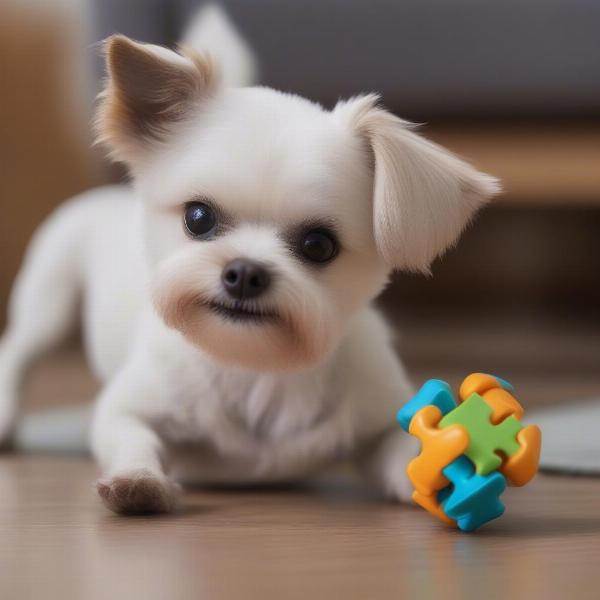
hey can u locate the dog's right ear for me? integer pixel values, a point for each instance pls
(149, 90)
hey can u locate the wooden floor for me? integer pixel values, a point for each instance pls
(327, 541)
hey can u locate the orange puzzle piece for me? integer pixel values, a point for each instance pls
(501, 401)
(521, 467)
(439, 447)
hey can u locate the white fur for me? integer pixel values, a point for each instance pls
(191, 396)
(211, 31)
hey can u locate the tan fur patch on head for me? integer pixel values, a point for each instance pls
(149, 88)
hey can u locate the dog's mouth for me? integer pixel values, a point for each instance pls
(241, 312)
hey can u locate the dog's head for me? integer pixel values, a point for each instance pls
(268, 220)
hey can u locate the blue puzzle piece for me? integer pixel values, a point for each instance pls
(444, 494)
(471, 500)
(433, 393)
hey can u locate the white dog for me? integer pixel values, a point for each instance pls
(227, 294)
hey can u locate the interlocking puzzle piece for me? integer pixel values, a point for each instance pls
(496, 393)
(473, 499)
(503, 405)
(433, 393)
(478, 383)
(470, 501)
(485, 438)
(439, 447)
(521, 467)
(459, 488)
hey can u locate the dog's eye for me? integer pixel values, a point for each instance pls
(200, 219)
(319, 246)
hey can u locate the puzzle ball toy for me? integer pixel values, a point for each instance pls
(470, 450)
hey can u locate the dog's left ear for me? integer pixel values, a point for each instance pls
(149, 90)
(423, 195)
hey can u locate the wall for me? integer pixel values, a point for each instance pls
(44, 155)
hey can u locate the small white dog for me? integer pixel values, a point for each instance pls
(227, 295)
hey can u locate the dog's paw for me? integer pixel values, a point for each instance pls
(387, 463)
(396, 484)
(140, 492)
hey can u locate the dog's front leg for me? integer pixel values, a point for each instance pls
(385, 460)
(130, 454)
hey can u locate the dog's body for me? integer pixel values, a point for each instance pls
(227, 295)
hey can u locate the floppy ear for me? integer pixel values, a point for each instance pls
(423, 195)
(149, 89)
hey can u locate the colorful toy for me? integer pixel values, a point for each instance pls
(470, 450)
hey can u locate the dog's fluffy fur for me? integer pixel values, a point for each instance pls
(190, 394)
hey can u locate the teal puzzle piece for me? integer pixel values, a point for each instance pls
(472, 500)
(433, 393)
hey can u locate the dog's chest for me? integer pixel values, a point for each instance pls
(238, 412)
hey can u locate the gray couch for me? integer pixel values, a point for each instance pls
(429, 58)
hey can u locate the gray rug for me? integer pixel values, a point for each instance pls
(570, 437)
(64, 430)
(570, 434)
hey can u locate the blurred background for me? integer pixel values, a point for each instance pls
(512, 85)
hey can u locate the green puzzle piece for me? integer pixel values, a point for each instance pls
(485, 438)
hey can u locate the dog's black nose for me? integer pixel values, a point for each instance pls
(245, 279)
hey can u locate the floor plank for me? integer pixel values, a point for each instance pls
(331, 540)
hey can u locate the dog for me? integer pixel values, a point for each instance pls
(227, 293)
